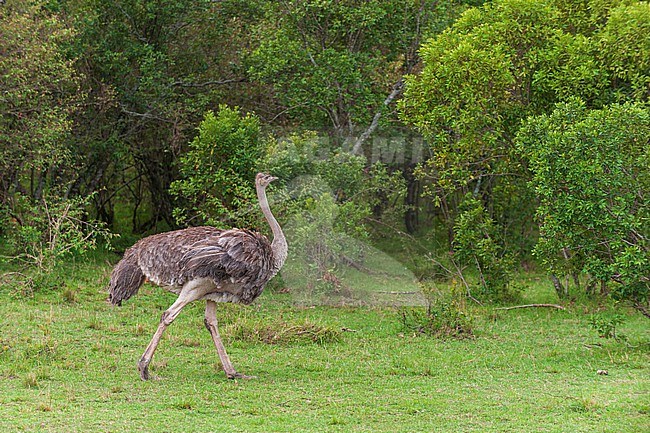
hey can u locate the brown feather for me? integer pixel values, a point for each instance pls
(235, 260)
(126, 279)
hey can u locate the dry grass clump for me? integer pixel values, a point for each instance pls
(281, 331)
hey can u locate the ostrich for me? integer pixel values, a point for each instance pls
(202, 263)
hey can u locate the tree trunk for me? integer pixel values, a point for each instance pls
(643, 309)
(411, 217)
(561, 291)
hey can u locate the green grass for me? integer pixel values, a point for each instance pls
(67, 364)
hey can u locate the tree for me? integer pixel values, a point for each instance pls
(494, 66)
(624, 46)
(332, 64)
(153, 68)
(217, 172)
(591, 172)
(39, 93)
(41, 220)
(497, 65)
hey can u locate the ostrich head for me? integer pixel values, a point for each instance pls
(263, 179)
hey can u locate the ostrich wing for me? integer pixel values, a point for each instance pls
(240, 260)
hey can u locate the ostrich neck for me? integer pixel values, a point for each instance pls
(279, 244)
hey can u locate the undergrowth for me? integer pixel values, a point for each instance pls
(445, 316)
(280, 331)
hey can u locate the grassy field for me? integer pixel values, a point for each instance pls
(67, 364)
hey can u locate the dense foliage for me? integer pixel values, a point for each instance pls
(326, 199)
(217, 168)
(483, 125)
(478, 242)
(41, 92)
(513, 60)
(330, 64)
(590, 171)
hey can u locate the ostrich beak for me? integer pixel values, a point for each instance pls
(272, 179)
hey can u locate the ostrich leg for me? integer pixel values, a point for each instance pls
(190, 292)
(211, 324)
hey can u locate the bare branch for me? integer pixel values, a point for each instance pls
(397, 90)
(146, 115)
(208, 83)
(559, 307)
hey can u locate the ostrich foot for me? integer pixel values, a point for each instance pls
(234, 376)
(143, 368)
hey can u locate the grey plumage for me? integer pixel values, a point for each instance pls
(202, 263)
(172, 259)
(126, 278)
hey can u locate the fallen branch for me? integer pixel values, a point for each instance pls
(400, 293)
(356, 265)
(559, 307)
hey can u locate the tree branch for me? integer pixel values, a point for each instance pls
(397, 90)
(559, 307)
(147, 115)
(209, 83)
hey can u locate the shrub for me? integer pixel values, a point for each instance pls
(325, 200)
(605, 325)
(444, 316)
(40, 234)
(477, 244)
(591, 173)
(218, 170)
(318, 234)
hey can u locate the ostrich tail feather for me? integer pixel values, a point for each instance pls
(126, 279)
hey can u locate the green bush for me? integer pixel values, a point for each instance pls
(41, 234)
(605, 325)
(325, 200)
(477, 244)
(591, 173)
(218, 171)
(444, 316)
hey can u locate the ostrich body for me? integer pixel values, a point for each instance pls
(202, 263)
